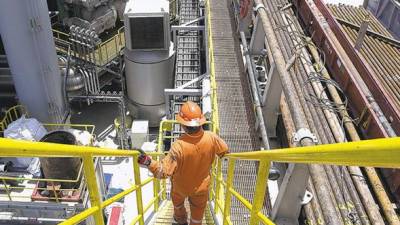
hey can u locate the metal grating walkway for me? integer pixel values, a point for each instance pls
(165, 216)
(236, 116)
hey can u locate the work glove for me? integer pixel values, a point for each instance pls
(144, 160)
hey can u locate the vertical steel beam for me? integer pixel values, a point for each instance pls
(271, 100)
(257, 38)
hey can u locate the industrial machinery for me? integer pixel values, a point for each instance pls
(149, 58)
(94, 15)
(292, 86)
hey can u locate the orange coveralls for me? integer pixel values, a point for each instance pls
(188, 163)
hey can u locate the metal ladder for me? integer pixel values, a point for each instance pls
(188, 50)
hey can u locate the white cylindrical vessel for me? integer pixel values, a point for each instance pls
(28, 41)
(147, 75)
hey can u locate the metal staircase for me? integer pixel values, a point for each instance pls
(188, 45)
(164, 216)
(7, 90)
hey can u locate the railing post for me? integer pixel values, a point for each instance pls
(7, 190)
(218, 185)
(261, 186)
(95, 198)
(164, 192)
(156, 190)
(213, 182)
(160, 146)
(139, 201)
(228, 194)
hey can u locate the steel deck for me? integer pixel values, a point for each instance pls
(165, 216)
(236, 116)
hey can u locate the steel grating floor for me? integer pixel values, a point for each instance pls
(165, 216)
(236, 115)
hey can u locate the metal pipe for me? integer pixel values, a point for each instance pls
(66, 100)
(381, 37)
(314, 118)
(317, 173)
(383, 65)
(378, 188)
(86, 46)
(254, 90)
(314, 204)
(364, 88)
(29, 46)
(287, 85)
(87, 56)
(357, 177)
(332, 121)
(93, 36)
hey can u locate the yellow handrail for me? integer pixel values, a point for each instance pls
(15, 113)
(17, 148)
(105, 51)
(11, 115)
(378, 153)
(384, 153)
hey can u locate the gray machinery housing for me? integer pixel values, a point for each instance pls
(96, 15)
(149, 58)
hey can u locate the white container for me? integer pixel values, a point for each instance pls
(139, 133)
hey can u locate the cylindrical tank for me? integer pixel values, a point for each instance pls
(61, 168)
(148, 73)
(28, 41)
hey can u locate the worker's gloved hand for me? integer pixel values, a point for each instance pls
(144, 160)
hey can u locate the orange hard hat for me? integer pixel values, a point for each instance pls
(190, 115)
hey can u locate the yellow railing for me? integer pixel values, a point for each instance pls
(110, 48)
(216, 176)
(384, 153)
(15, 148)
(18, 196)
(10, 116)
(105, 52)
(211, 64)
(15, 113)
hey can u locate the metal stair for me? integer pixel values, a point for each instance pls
(7, 90)
(164, 216)
(187, 50)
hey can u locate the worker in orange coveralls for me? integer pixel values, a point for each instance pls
(188, 163)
